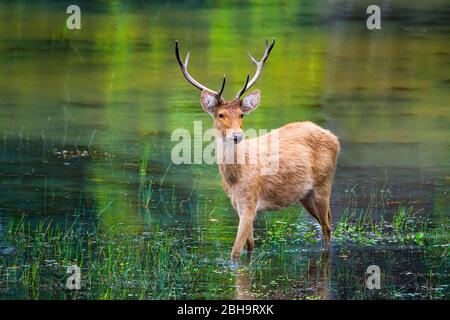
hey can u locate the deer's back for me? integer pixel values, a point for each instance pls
(307, 159)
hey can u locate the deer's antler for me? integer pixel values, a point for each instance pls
(189, 78)
(259, 66)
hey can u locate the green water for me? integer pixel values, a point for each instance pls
(86, 118)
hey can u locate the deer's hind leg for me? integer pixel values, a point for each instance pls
(317, 203)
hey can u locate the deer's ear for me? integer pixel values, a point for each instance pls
(251, 101)
(209, 101)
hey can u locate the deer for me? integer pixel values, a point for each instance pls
(307, 157)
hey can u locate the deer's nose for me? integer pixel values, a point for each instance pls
(237, 136)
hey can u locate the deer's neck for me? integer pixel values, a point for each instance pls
(230, 159)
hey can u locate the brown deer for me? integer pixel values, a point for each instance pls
(306, 158)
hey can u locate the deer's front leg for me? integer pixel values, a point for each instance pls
(250, 240)
(245, 231)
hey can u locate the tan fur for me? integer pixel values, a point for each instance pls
(307, 161)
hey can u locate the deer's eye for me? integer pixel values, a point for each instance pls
(221, 115)
(242, 115)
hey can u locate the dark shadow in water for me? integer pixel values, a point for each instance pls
(318, 275)
(318, 272)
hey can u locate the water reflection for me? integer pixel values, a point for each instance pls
(312, 283)
(318, 276)
(243, 281)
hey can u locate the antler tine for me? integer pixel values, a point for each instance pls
(223, 87)
(259, 66)
(253, 59)
(240, 93)
(189, 78)
(268, 49)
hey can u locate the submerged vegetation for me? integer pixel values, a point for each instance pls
(406, 228)
(166, 264)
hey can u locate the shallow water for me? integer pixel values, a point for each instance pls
(79, 109)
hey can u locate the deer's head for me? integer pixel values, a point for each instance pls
(228, 114)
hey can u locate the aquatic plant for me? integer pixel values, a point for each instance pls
(165, 264)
